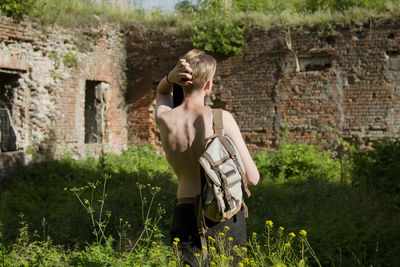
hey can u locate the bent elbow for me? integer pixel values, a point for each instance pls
(253, 179)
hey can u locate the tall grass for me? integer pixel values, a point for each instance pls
(81, 12)
(273, 14)
(348, 204)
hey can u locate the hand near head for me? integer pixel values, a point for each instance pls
(181, 73)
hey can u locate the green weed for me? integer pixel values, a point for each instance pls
(70, 59)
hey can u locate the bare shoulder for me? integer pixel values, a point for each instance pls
(230, 125)
(232, 130)
(162, 118)
(227, 115)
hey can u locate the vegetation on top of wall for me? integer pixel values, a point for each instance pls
(213, 25)
(15, 8)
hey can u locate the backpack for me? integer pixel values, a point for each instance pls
(223, 179)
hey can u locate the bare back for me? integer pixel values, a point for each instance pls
(183, 131)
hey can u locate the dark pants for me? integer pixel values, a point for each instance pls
(184, 227)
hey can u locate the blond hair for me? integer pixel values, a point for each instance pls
(203, 67)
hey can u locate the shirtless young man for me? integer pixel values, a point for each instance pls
(183, 130)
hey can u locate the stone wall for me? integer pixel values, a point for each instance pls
(310, 85)
(314, 85)
(44, 73)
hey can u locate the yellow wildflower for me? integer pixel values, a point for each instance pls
(204, 247)
(154, 243)
(303, 233)
(230, 239)
(213, 264)
(302, 261)
(241, 264)
(173, 262)
(246, 260)
(175, 243)
(212, 249)
(269, 224)
(177, 240)
(281, 228)
(187, 265)
(226, 228)
(254, 234)
(211, 239)
(287, 245)
(244, 249)
(292, 235)
(197, 255)
(221, 234)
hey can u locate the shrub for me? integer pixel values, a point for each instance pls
(218, 33)
(293, 162)
(379, 168)
(212, 26)
(15, 8)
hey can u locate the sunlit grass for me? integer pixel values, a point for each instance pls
(78, 12)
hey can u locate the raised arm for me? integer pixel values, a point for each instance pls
(232, 130)
(180, 74)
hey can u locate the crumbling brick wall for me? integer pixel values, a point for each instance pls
(315, 85)
(47, 102)
(312, 85)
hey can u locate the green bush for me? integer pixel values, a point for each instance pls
(213, 28)
(349, 225)
(379, 168)
(217, 34)
(297, 162)
(16, 8)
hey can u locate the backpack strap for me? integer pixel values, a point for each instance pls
(218, 124)
(233, 156)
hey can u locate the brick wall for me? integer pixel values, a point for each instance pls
(48, 103)
(316, 86)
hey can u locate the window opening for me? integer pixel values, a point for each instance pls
(8, 139)
(317, 63)
(94, 111)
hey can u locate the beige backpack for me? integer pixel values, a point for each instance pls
(224, 179)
